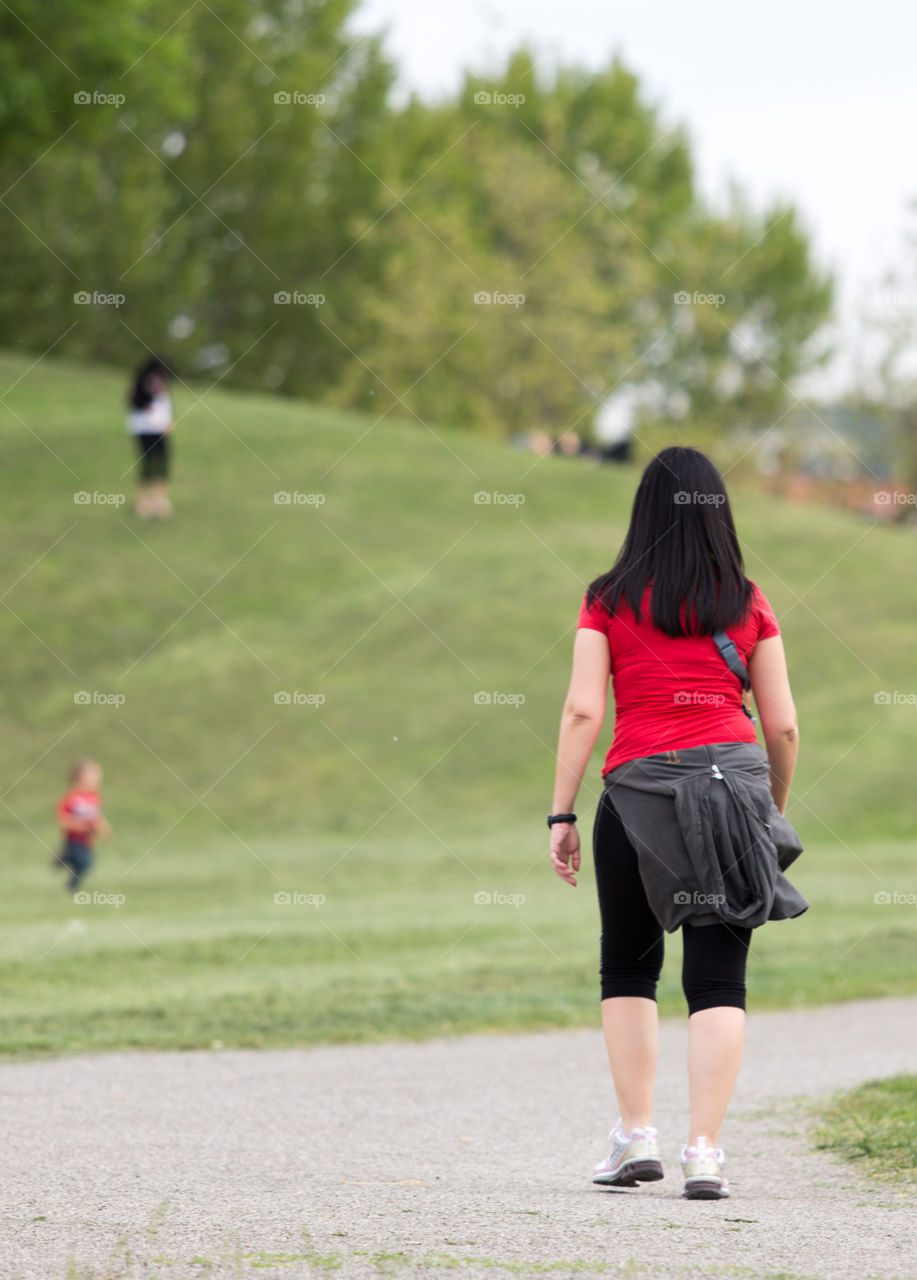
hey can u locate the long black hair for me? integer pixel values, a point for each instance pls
(140, 397)
(682, 539)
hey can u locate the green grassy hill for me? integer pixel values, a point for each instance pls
(396, 599)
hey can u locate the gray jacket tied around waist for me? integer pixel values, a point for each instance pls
(711, 844)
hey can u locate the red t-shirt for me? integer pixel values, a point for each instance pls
(80, 804)
(674, 691)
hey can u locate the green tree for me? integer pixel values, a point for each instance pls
(471, 321)
(573, 193)
(54, 53)
(203, 195)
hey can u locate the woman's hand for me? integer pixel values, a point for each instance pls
(565, 850)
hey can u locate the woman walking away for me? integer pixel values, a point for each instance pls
(149, 421)
(689, 830)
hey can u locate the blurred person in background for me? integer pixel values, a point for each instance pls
(689, 831)
(149, 421)
(80, 817)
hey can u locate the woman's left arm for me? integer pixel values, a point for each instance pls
(580, 723)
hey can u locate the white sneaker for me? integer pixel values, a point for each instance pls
(634, 1159)
(703, 1169)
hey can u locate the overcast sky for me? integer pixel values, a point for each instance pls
(808, 100)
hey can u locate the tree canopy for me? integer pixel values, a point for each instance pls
(239, 192)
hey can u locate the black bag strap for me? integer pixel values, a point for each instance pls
(730, 655)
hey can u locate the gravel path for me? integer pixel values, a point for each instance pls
(468, 1156)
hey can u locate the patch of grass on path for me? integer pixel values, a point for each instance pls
(876, 1126)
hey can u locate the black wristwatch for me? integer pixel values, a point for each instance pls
(560, 817)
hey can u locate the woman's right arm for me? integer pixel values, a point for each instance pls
(580, 723)
(770, 685)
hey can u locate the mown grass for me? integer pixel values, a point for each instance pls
(400, 797)
(200, 952)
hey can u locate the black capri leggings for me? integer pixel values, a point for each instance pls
(713, 971)
(154, 456)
